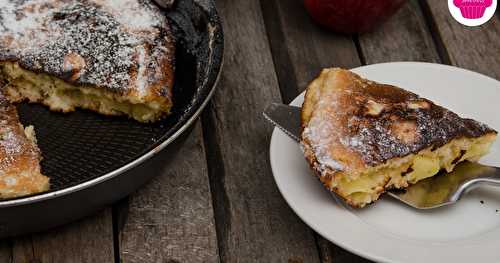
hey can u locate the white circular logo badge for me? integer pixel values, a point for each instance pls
(472, 12)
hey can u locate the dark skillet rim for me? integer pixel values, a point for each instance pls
(206, 91)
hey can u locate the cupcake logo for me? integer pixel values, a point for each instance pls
(472, 9)
(472, 12)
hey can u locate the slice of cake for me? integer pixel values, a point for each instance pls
(362, 138)
(19, 156)
(113, 57)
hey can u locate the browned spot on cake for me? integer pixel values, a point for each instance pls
(409, 170)
(405, 131)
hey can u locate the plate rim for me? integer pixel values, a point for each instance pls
(317, 228)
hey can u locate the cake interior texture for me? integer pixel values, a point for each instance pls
(398, 173)
(60, 95)
(363, 138)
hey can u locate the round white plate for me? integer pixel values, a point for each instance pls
(389, 231)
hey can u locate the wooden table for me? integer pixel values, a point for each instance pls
(218, 201)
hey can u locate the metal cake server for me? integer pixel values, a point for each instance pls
(439, 190)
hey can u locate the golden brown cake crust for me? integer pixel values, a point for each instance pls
(19, 157)
(350, 123)
(124, 47)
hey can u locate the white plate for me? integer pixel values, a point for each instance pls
(389, 231)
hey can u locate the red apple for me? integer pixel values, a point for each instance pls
(352, 16)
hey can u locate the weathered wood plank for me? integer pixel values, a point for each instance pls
(334, 254)
(254, 223)
(340, 255)
(301, 48)
(405, 37)
(473, 48)
(171, 218)
(88, 240)
(5, 250)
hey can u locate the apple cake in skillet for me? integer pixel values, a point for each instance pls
(362, 138)
(112, 57)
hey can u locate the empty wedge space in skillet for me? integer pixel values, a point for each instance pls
(363, 138)
(112, 57)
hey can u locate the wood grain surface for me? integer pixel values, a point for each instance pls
(301, 48)
(171, 218)
(475, 48)
(5, 250)
(404, 37)
(88, 240)
(254, 224)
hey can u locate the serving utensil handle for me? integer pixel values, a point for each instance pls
(492, 178)
(489, 176)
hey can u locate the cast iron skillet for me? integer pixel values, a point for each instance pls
(94, 160)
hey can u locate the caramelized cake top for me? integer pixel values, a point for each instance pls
(350, 123)
(124, 46)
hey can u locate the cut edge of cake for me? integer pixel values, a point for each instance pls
(60, 95)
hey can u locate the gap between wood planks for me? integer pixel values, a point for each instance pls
(171, 218)
(86, 240)
(467, 47)
(253, 222)
(444, 57)
(300, 49)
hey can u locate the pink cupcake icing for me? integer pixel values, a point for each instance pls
(472, 9)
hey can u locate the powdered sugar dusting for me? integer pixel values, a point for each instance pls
(317, 134)
(14, 21)
(14, 145)
(138, 15)
(141, 74)
(9, 141)
(112, 37)
(342, 124)
(321, 135)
